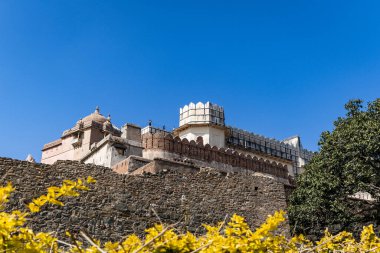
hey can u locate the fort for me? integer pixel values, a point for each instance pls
(198, 173)
(120, 204)
(202, 139)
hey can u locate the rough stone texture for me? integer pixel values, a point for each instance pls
(130, 164)
(121, 204)
(163, 165)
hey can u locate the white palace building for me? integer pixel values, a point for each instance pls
(94, 139)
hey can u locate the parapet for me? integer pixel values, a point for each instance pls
(200, 113)
(253, 142)
(198, 151)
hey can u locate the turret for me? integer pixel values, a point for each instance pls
(205, 120)
(201, 114)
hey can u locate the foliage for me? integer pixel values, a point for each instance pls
(235, 236)
(15, 237)
(348, 163)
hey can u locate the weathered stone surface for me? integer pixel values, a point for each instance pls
(121, 204)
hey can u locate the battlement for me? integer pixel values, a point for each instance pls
(200, 113)
(198, 151)
(256, 143)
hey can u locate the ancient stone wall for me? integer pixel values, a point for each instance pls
(162, 165)
(198, 151)
(130, 164)
(121, 204)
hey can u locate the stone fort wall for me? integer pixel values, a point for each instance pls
(121, 204)
(198, 151)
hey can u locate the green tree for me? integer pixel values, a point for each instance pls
(348, 162)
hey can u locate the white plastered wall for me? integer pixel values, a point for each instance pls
(106, 156)
(101, 157)
(64, 151)
(212, 136)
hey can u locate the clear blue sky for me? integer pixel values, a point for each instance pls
(279, 68)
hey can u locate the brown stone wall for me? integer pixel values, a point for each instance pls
(131, 132)
(121, 204)
(130, 164)
(198, 151)
(163, 165)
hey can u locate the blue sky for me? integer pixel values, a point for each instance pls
(278, 68)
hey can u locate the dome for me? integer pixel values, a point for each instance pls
(95, 116)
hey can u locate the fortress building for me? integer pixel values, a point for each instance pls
(208, 120)
(94, 139)
(202, 140)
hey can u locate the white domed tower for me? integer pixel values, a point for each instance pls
(205, 120)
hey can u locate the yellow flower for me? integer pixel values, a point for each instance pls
(235, 236)
(90, 180)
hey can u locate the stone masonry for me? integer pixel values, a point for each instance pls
(118, 204)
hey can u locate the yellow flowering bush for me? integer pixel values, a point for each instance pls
(233, 236)
(15, 236)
